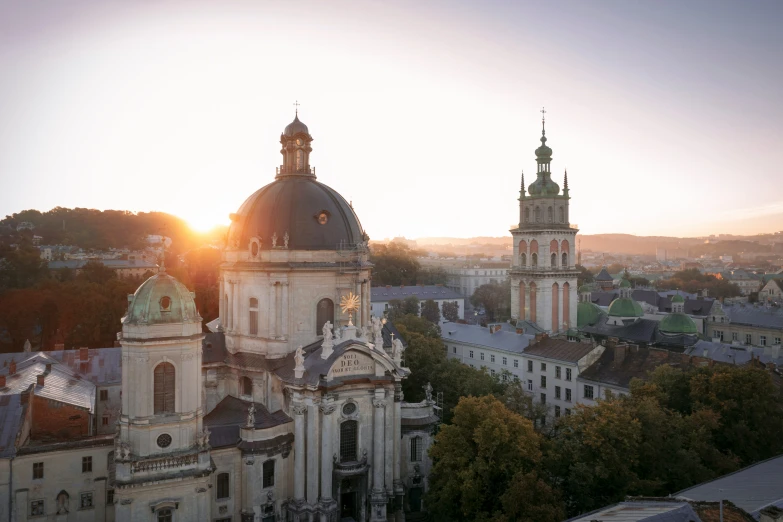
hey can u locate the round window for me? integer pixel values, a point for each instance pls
(164, 441)
(349, 409)
(323, 217)
(254, 248)
(165, 303)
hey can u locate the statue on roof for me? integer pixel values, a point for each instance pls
(27, 346)
(299, 368)
(397, 349)
(251, 415)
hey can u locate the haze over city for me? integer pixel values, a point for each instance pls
(426, 113)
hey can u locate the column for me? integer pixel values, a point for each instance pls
(229, 301)
(271, 311)
(546, 302)
(277, 311)
(377, 450)
(562, 307)
(299, 451)
(388, 468)
(235, 307)
(327, 449)
(284, 311)
(357, 320)
(399, 491)
(313, 444)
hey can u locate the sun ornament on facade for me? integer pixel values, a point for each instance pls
(349, 304)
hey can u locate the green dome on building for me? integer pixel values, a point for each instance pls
(677, 323)
(625, 307)
(587, 314)
(625, 284)
(678, 299)
(584, 289)
(161, 299)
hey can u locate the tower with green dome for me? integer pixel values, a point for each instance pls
(543, 274)
(624, 309)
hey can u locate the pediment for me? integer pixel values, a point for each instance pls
(352, 363)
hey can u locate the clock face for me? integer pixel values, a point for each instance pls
(299, 141)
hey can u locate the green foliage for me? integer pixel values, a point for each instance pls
(585, 276)
(432, 276)
(395, 264)
(521, 402)
(21, 267)
(450, 311)
(495, 298)
(485, 468)
(410, 305)
(430, 311)
(637, 281)
(693, 281)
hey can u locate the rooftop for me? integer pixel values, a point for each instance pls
(559, 349)
(762, 316)
(380, 294)
(502, 339)
(736, 354)
(230, 414)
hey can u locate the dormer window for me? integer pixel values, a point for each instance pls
(165, 304)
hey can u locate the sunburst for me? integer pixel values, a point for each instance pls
(349, 304)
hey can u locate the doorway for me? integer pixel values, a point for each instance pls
(348, 506)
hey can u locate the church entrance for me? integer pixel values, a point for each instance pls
(348, 507)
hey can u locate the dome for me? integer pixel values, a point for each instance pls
(587, 314)
(584, 289)
(677, 323)
(544, 186)
(295, 127)
(544, 152)
(625, 307)
(314, 216)
(625, 284)
(161, 299)
(678, 299)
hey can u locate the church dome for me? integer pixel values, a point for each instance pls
(677, 323)
(295, 127)
(625, 284)
(161, 299)
(584, 289)
(544, 152)
(544, 186)
(678, 299)
(625, 307)
(587, 314)
(314, 216)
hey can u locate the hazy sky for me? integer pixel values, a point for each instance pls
(667, 114)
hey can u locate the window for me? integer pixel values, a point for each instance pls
(565, 259)
(37, 508)
(762, 340)
(492, 373)
(523, 260)
(543, 398)
(247, 386)
(557, 392)
(568, 394)
(86, 464)
(324, 312)
(470, 354)
(557, 372)
(269, 474)
(504, 376)
(516, 363)
(109, 497)
(588, 392)
(38, 470)
(568, 374)
(223, 482)
(777, 340)
(543, 367)
(516, 378)
(164, 388)
(165, 515)
(348, 431)
(748, 338)
(105, 420)
(416, 449)
(735, 336)
(718, 334)
(530, 384)
(530, 366)
(543, 381)
(491, 358)
(504, 361)
(557, 411)
(253, 316)
(482, 356)
(104, 395)
(85, 500)
(567, 412)
(554, 260)
(453, 349)
(534, 260)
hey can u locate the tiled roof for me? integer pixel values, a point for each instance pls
(230, 414)
(479, 336)
(380, 294)
(751, 488)
(559, 349)
(635, 363)
(642, 511)
(734, 354)
(61, 384)
(767, 317)
(603, 275)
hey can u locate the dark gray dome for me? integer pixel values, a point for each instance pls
(295, 127)
(296, 205)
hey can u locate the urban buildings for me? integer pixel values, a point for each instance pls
(382, 295)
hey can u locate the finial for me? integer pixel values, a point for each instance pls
(565, 180)
(162, 267)
(543, 120)
(296, 106)
(522, 182)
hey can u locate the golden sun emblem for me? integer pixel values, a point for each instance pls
(349, 304)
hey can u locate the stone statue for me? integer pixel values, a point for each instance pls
(377, 332)
(274, 240)
(285, 240)
(428, 392)
(27, 346)
(203, 439)
(397, 349)
(251, 415)
(338, 334)
(327, 330)
(299, 358)
(63, 502)
(125, 450)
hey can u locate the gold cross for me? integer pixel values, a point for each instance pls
(296, 104)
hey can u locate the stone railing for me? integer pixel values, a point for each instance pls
(159, 464)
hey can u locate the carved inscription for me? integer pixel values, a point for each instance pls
(352, 363)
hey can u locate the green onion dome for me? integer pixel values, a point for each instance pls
(587, 314)
(677, 323)
(625, 307)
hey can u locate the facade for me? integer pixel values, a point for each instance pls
(381, 295)
(772, 292)
(746, 281)
(493, 348)
(465, 279)
(744, 324)
(543, 274)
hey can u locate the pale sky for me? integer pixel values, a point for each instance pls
(667, 114)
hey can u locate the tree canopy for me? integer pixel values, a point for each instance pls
(693, 281)
(495, 298)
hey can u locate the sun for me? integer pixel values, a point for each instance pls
(203, 223)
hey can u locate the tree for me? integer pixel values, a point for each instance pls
(495, 298)
(485, 468)
(395, 264)
(430, 311)
(21, 267)
(396, 310)
(693, 281)
(450, 311)
(432, 276)
(521, 402)
(585, 276)
(410, 305)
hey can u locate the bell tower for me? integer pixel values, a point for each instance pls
(543, 273)
(296, 150)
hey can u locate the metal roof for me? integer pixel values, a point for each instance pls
(230, 414)
(61, 384)
(380, 294)
(560, 349)
(103, 366)
(734, 354)
(479, 336)
(643, 511)
(762, 316)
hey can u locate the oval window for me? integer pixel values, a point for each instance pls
(164, 441)
(349, 409)
(323, 217)
(165, 303)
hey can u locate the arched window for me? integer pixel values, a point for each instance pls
(534, 260)
(253, 316)
(324, 312)
(538, 214)
(562, 215)
(246, 386)
(554, 260)
(268, 476)
(348, 443)
(549, 214)
(222, 486)
(527, 215)
(164, 388)
(565, 260)
(416, 447)
(299, 159)
(165, 515)
(523, 259)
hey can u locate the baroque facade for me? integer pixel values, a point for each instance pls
(543, 273)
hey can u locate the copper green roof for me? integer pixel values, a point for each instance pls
(584, 289)
(625, 284)
(678, 299)
(161, 299)
(625, 307)
(677, 323)
(587, 314)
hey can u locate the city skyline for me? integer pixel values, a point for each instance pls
(667, 125)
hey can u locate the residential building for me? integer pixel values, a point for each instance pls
(772, 292)
(738, 354)
(466, 278)
(543, 274)
(756, 325)
(492, 347)
(665, 509)
(382, 295)
(746, 281)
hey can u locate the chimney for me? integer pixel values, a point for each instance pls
(612, 342)
(388, 286)
(2, 381)
(41, 377)
(25, 395)
(520, 331)
(619, 353)
(48, 367)
(539, 337)
(84, 354)
(12, 368)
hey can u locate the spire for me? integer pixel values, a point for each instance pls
(296, 108)
(522, 184)
(565, 180)
(543, 126)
